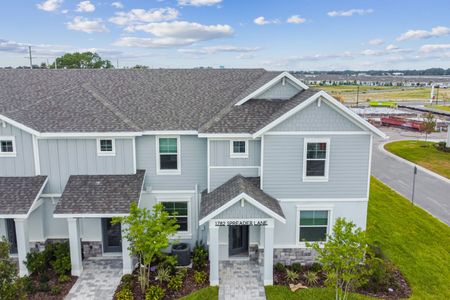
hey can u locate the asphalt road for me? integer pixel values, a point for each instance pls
(431, 193)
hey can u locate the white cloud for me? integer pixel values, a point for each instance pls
(139, 16)
(220, 48)
(178, 33)
(296, 19)
(423, 34)
(117, 5)
(198, 2)
(376, 42)
(87, 25)
(64, 11)
(350, 12)
(38, 49)
(50, 5)
(391, 47)
(85, 6)
(434, 47)
(245, 56)
(262, 21)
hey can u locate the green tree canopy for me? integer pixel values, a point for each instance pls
(85, 60)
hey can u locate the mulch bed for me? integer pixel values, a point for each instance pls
(189, 285)
(53, 281)
(400, 288)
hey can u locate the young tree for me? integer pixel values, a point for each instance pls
(148, 232)
(85, 60)
(10, 284)
(429, 124)
(343, 258)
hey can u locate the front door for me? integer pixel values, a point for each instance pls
(238, 240)
(11, 233)
(112, 236)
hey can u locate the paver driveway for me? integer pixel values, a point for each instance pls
(99, 279)
(240, 280)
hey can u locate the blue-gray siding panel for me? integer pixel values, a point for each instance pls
(221, 175)
(236, 211)
(348, 170)
(193, 164)
(61, 158)
(23, 163)
(220, 154)
(280, 91)
(317, 118)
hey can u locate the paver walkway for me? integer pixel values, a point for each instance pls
(99, 279)
(240, 280)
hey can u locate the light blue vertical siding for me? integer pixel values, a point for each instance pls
(61, 158)
(23, 163)
(193, 164)
(220, 154)
(280, 91)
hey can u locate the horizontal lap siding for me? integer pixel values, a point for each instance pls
(23, 163)
(61, 158)
(193, 164)
(348, 170)
(222, 175)
(220, 154)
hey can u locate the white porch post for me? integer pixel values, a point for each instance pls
(75, 246)
(23, 244)
(268, 254)
(213, 254)
(127, 259)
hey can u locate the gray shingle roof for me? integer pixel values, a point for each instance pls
(123, 100)
(17, 194)
(255, 114)
(100, 194)
(231, 189)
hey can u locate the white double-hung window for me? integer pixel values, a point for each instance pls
(179, 208)
(106, 147)
(316, 157)
(168, 155)
(313, 224)
(239, 148)
(7, 146)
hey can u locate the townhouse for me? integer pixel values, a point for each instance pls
(254, 163)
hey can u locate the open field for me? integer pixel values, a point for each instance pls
(423, 154)
(441, 107)
(384, 93)
(417, 243)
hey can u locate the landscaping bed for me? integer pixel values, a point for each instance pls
(54, 290)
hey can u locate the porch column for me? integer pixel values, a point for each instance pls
(127, 259)
(213, 254)
(268, 254)
(23, 244)
(75, 246)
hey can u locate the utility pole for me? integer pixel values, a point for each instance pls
(437, 94)
(414, 184)
(357, 95)
(31, 58)
(117, 63)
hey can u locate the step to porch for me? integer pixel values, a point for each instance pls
(240, 280)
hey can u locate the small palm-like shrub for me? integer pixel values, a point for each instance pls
(163, 274)
(155, 292)
(291, 275)
(175, 283)
(311, 278)
(125, 294)
(200, 277)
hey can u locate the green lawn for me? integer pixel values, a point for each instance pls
(208, 293)
(440, 107)
(423, 154)
(416, 242)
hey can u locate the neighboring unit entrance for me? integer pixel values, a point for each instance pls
(112, 236)
(11, 233)
(238, 240)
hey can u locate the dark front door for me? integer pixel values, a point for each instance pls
(238, 240)
(11, 233)
(112, 236)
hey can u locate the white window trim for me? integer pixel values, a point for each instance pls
(327, 160)
(13, 140)
(158, 165)
(329, 208)
(180, 198)
(106, 153)
(238, 155)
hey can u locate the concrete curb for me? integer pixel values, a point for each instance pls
(425, 170)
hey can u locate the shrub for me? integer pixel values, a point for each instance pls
(291, 275)
(200, 277)
(175, 283)
(311, 278)
(43, 286)
(61, 258)
(182, 272)
(28, 285)
(280, 267)
(36, 262)
(55, 290)
(442, 146)
(316, 267)
(382, 274)
(155, 292)
(64, 278)
(199, 256)
(163, 274)
(127, 280)
(296, 267)
(125, 294)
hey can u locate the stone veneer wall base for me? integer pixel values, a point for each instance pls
(288, 256)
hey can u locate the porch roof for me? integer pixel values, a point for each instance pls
(214, 202)
(18, 194)
(100, 194)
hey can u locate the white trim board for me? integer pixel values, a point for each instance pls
(323, 199)
(317, 133)
(234, 167)
(78, 215)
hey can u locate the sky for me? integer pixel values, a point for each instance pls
(271, 34)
